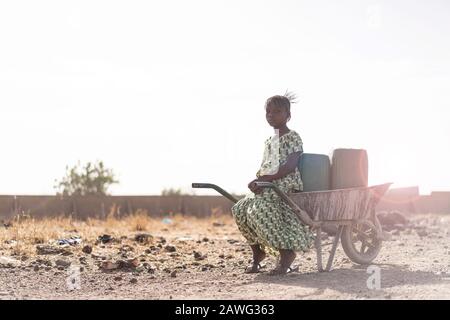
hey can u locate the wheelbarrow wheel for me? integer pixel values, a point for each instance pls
(361, 241)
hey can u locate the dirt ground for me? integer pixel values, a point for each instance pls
(204, 259)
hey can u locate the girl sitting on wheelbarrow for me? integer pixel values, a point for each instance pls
(265, 220)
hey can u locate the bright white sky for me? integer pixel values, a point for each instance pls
(172, 92)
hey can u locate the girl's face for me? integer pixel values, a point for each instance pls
(276, 116)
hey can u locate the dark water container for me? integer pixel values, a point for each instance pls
(349, 168)
(315, 171)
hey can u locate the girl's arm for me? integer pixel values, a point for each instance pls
(288, 167)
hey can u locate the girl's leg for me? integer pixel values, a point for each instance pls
(239, 211)
(258, 256)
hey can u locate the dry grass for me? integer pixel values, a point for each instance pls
(25, 233)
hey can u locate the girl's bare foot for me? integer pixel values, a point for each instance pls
(286, 259)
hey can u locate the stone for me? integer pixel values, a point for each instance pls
(62, 263)
(105, 238)
(143, 238)
(170, 248)
(87, 249)
(198, 256)
(7, 262)
(162, 240)
(130, 264)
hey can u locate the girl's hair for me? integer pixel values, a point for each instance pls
(283, 101)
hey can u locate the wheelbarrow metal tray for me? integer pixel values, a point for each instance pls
(340, 204)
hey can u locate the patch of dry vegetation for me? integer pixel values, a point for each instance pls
(25, 233)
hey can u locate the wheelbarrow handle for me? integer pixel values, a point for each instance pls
(215, 187)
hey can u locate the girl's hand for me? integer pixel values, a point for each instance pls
(253, 188)
(266, 178)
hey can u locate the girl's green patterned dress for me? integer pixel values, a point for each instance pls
(265, 218)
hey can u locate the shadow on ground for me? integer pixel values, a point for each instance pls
(353, 280)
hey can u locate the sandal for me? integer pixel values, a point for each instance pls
(254, 268)
(280, 271)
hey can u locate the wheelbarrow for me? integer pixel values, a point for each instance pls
(351, 211)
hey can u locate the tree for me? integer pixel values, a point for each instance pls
(92, 179)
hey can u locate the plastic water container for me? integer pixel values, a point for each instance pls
(349, 168)
(315, 171)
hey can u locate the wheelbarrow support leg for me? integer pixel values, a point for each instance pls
(333, 249)
(318, 244)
